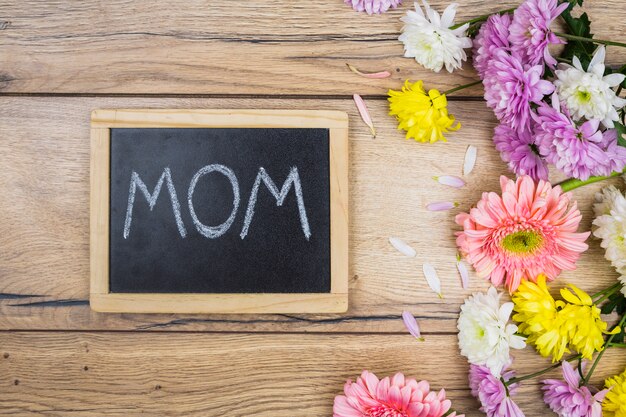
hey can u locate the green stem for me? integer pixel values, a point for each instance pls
(583, 39)
(606, 346)
(607, 289)
(572, 183)
(460, 87)
(619, 345)
(482, 18)
(607, 293)
(538, 373)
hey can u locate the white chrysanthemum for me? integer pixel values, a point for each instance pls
(610, 227)
(427, 37)
(590, 94)
(485, 337)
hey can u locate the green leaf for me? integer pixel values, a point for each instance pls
(616, 302)
(579, 26)
(621, 134)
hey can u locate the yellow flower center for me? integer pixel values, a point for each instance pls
(583, 96)
(525, 241)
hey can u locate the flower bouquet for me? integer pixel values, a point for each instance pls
(559, 107)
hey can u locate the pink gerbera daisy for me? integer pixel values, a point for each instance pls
(527, 231)
(511, 87)
(389, 397)
(530, 30)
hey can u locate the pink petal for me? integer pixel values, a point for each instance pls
(365, 114)
(411, 325)
(450, 180)
(381, 74)
(441, 206)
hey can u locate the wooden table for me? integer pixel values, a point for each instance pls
(60, 60)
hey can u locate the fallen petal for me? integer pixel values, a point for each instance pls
(432, 279)
(470, 159)
(381, 74)
(450, 180)
(365, 114)
(402, 247)
(441, 206)
(411, 325)
(460, 266)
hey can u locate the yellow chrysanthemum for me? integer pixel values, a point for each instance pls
(614, 404)
(556, 326)
(424, 116)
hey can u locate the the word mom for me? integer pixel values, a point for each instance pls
(212, 232)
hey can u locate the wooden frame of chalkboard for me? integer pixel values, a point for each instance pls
(101, 299)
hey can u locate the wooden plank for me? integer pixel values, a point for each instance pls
(44, 183)
(100, 374)
(195, 47)
(101, 300)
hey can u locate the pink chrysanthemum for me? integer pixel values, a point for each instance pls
(530, 33)
(568, 399)
(373, 6)
(521, 153)
(510, 88)
(578, 151)
(389, 397)
(493, 34)
(492, 394)
(527, 231)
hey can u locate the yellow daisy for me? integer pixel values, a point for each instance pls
(424, 116)
(614, 404)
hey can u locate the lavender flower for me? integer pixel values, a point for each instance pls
(492, 394)
(578, 151)
(493, 34)
(511, 86)
(530, 33)
(373, 6)
(568, 399)
(518, 149)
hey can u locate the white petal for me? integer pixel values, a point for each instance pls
(450, 180)
(598, 56)
(432, 279)
(448, 15)
(460, 266)
(402, 247)
(614, 79)
(470, 159)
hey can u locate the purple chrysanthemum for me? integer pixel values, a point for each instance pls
(492, 394)
(373, 6)
(521, 153)
(493, 34)
(578, 151)
(568, 399)
(510, 88)
(530, 33)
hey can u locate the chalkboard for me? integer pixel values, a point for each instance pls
(223, 211)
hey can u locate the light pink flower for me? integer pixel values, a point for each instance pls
(529, 230)
(492, 394)
(493, 34)
(389, 397)
(511, 87)
(521, 153)
(373, 6)
(568, 399)
(530, 33)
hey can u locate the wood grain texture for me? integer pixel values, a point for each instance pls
(202, 47)
(44, 267)
(186, 374)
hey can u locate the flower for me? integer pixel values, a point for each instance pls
(511, 87)
(610, 227)
(493, 34)
(590, 94)
(424, 116)
(427, 37)
(579, 151)
(373, 6)
(521, 152)
(389, 397)
(527, 231)
(530, 33)
(614, 404)
(485, 337)
(556, 326)
(490, 391)
(568, 398)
